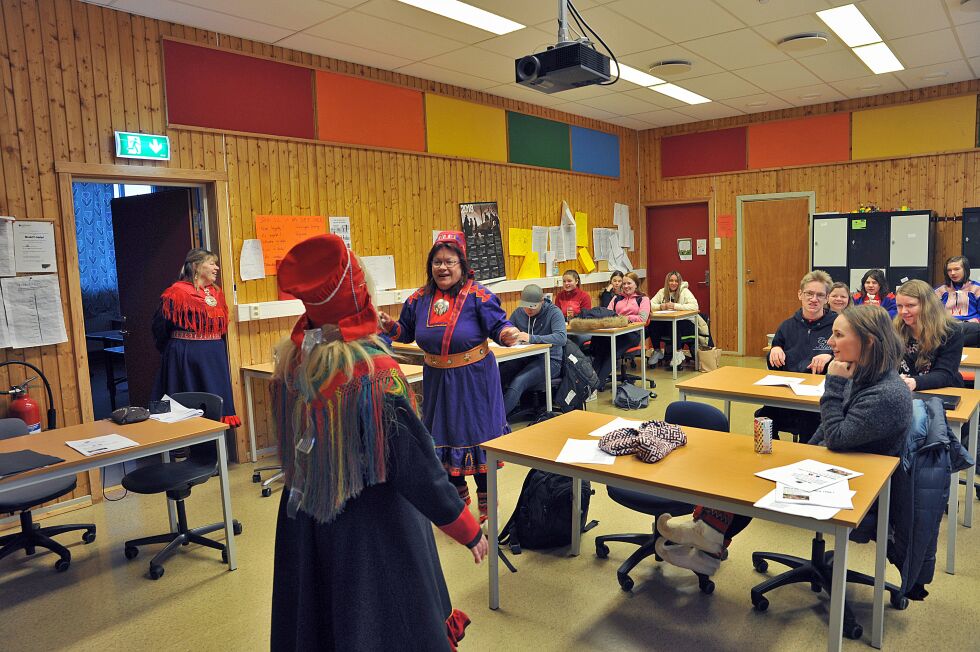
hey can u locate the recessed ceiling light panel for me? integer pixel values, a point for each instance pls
(678, 93)
(850, 25)
(468, 14)
(805, 42)
(879, 58)
(630, 74)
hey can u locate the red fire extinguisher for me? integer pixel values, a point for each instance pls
(24, 407)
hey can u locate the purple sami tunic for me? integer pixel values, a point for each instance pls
(462, 407)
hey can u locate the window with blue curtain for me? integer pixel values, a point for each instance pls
(96, 254)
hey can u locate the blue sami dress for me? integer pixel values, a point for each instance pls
(464, 406)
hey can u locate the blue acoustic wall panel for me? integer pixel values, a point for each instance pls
(595, 152)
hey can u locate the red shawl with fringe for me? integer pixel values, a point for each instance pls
(184, 305)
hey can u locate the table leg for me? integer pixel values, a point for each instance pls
(547, 379)
(110, 378)
(728, 410)
(171, 505)
(677, 346)
(697, 343)
(492, 558)
(612, 367)
(251, 417)
(971, 472)
(838, 592)
(643, 357)
(226, 500)
(576, 516)
(881, 553)
(951, 516)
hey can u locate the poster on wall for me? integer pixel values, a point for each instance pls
(684, 248)
(480, 224)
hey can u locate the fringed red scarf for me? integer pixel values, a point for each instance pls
(186, 307)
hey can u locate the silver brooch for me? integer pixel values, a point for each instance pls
(441, 306)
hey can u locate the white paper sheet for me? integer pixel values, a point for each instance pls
(617, 257)
(103, 444)
(556, 243)
(819, 513)
(963, 357)
(340, 226)
(539, 241)
(34, 247)
(33, 307)
(8, 266)
(615, 424)
(807, 390)
(837, 496)
(808, 475)
(568, 232)
(381, 269)
(177, 412)
(551, 264)
(584, 451)
(4, 329)
(251, 263)
(773, 380)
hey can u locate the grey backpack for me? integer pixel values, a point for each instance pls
(631, 397)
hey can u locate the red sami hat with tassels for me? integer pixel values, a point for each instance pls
(324, 274)
(454, 238)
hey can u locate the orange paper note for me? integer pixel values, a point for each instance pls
(279, 233)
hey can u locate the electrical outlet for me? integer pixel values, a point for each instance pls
(253, 312)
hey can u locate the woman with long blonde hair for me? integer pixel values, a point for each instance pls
(933, 339)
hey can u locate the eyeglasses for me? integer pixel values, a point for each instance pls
(448, 264)
(814, 295)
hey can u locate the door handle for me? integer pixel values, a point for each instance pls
(750, 281)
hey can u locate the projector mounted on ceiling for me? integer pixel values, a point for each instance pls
(566, 65)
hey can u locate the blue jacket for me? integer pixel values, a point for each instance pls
(546, 327)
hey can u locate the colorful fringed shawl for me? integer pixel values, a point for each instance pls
(332, 435)
(185, 306)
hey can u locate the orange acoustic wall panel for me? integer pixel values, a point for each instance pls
(824, 139)
(363, 112)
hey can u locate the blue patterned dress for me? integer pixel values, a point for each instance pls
(464, 406)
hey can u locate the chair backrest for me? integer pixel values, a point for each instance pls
(12, 427)
(696, 415)
(213, 406)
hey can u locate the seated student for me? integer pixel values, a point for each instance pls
(800, 345)
(613, 288)
(874, 291)
(572, 299)
(839, 297)
(674, 295)
(633, 305)
(961, 296)
(933, 340)
(865, 408)
(539, 322)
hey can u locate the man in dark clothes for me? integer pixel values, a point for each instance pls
(540, 322)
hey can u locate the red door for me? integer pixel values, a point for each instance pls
(665, 226)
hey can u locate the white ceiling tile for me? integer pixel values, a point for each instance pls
(678, 21)
(774, 32)
(525, 94)
(585, 110)
(102, 3)
(582, 93)
(710, 111)
(834, 66)
(962, 16)
(869, 85)
(624, 35)
(778, 76)
(975, 64)
(342, 51)
(956, 71)
(445, 76)
(350, 4)
(804, 96)
(642, 61)
(383, 36)
(739, 49)
(530, 12)
(897, 18)
(529, 40)
(926, 49)
(203, 19)
(474, 61)
(760, 102)
(630, 123)
(619, 103)
(664, 118)
(659, 100)
(721, 86)
(753, 12)
(295, 14)
(969, 36)
(426, 21)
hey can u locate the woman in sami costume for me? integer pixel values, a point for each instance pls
(356, 566)
(450, 318)
(189, 330)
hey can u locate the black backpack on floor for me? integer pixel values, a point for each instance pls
(578, 379)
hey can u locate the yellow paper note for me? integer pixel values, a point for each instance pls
(520, 241)
(586, 259)
(581, 230)
(530, 268)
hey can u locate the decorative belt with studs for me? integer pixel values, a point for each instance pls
(190, 335)
(461, 359)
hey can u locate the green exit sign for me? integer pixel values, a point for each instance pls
(146, 146)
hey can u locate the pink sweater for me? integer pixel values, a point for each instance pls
(628, 307)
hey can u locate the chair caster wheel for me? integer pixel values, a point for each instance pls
(62, 565)
(706, 585)
(131, 552)
(256, 477)
(236, 527)
(626, 583)
(224, 556)
(853, 631)
(601, 550)
(761, 566)
(760, 603)
(266, 492)
(156, 572)
(88, 536)
(899, 602)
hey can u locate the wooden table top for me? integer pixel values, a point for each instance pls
(713, 464)
(500, 352)
(610, 331)
(662, 315)
(972, 358)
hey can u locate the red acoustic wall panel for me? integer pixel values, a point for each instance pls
(704, 153)
(823, 139)
(364, 112)
(234, 92)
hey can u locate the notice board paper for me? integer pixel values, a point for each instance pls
(34, 247)
(519, 241)
(340, 227)
(33, 307)
(581, 229)
(250, 263)
(7, 261)
(279, 233)
(539, 241)
(381, 269)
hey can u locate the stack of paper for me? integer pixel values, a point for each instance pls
(807, 390)
(584, 451)
(103, 444)
(809, 488)
(774, 380)
(177, 412)
(615, 424)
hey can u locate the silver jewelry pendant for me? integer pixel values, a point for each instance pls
(441, 306)
(211, 301)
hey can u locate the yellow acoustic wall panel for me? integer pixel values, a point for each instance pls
(458, 128)
(921, 128)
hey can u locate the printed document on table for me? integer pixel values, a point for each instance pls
(582, 451)
(33, 307)
(772, 380)
(615, 424)
(818, 513)
(177, 412)
(103, 444)
(807, 390)
(808, 475)
(837, 496)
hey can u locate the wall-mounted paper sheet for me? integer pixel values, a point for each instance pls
(555, 243)
(34, 247)
(550, 264)
(381, 269)
(279, 233)
(581, 229)
(586, 260)
(519, 241)
(340, 226)
(539, 241)
(33, 306)
(251, 265)
(8, 266)
(530, 268)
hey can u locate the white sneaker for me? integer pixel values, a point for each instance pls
(687, 557)
(593, 396)
(691, 533)
(678, 359)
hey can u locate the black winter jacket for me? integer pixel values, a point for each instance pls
(802, 340)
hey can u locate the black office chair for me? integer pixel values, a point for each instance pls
(534, 403)
(176, 480)
(682, 413)
(24, 499)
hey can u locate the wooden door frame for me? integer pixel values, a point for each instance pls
(740, 245)
(712, 231)
(215, 187)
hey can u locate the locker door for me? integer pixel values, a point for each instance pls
(829, 251)
(971, 235)
(909, 243)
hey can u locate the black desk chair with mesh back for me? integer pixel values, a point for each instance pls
(176, 480)
(24, 499)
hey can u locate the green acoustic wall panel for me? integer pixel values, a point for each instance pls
(536, 141)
